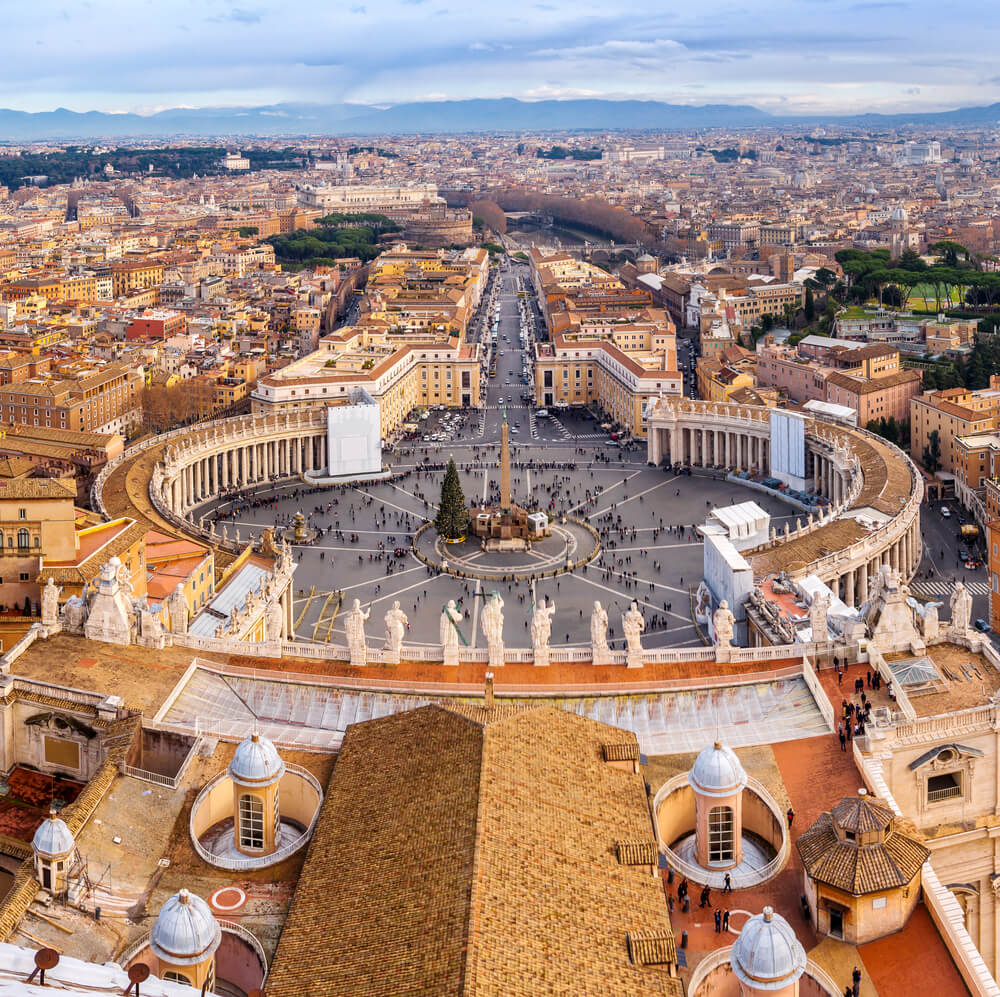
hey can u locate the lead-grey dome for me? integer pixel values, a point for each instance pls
(717, 772)
(186, 932)
(767, 955)
(53, 837)
(256, 762)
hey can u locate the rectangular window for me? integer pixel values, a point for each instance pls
(944, 787)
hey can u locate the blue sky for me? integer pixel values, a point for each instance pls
(796, 57)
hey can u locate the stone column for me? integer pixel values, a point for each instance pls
(850, 587)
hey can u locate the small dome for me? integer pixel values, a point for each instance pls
(899, 214)
(767, 955)
(717, 772)
(256, 762)
(186, 932)
(645, 258)
(53, 837)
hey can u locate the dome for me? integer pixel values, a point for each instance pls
(645, 258)
(53, 837)
(899, 214)
(767, 955)
(186, 932)
(256, 762)
(717, 772)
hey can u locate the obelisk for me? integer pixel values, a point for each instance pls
(504, 466)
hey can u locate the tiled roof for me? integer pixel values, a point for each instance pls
(860, 814)
(474, 851)
(857, 869)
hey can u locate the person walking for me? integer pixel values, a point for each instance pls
(728, 881)
(843, 737)
(706, 896)
(856, 982)
(790, 814)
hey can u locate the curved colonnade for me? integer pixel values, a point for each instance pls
(874, 489)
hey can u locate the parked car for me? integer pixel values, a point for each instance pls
(982, 626)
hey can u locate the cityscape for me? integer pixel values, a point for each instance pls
(499, 506)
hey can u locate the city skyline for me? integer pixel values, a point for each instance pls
(807, 58)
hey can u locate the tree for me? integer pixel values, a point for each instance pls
(453, 518)
(810, 305)
(932, 452)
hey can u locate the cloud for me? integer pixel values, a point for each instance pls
(238, 15)
(359, 9)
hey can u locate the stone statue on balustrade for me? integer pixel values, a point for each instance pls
(818, 610)
(541, 630)
(354, 626)
(50, 603)
(961, 609)
(274, 621)
(448, 632)
(177, 609)
(396, 623)
(723, 626)
(600, 653)
(491, 621)
(632, 626)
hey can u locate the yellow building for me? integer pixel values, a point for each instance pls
(952, 412)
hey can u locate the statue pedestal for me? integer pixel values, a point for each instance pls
(359, 657)
(723, 653)
(450, 656)
(633, 659)
(390, 656)
(600, 655)
(541, 656)
(496, 655)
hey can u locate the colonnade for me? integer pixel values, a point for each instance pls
(723, 435)
(706, 446)
(243, 465)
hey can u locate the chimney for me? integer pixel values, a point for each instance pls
(489, 690)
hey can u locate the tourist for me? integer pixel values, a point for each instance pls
(718, 921)
(725, 920)
(706, 897)
(790, 814)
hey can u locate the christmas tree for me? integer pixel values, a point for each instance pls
(452, 518)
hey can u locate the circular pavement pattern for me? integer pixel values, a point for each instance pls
(228, 899)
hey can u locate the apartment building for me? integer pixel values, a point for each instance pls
(101, 399)
(609, 346)
(951, 413)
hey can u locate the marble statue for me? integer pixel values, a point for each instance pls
(451, 616)
(75, 613)
(541, 629)
(177, 607)
(395, 627)
(961, 608)
(932, 625)
(722, 623)
(818, 616)
(491, 621)
(50, 603)
(354, 625)
(599, 651)
(632, 626)
(274, 620)
(225, 533)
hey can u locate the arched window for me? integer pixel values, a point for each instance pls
(720, 834)
(23, 540)
(174, 977)
(251, 821)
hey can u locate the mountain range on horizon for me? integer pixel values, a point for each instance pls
(474, 115)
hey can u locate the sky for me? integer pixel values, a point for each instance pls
(806, 56)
